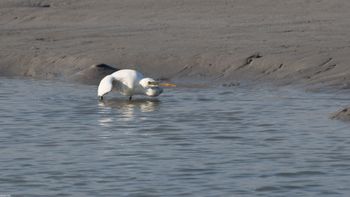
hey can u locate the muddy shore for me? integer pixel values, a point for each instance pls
(297, 42)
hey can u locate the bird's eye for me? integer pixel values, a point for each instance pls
(152, 83)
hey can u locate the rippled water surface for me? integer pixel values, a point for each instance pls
(56, 139)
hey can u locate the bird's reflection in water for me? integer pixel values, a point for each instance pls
(125, 108)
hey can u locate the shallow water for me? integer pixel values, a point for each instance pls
(56, 139)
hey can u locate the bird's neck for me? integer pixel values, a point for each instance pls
(139, 89)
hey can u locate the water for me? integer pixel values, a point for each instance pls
(56, 139)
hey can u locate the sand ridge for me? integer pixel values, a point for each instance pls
(284, 42)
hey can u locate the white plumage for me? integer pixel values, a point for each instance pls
(129, 82)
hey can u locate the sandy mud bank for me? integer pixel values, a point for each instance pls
(297, 42)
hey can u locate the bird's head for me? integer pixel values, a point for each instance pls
(151, 87)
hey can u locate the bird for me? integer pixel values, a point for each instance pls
(130, 82)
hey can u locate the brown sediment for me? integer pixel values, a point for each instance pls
(343, 114)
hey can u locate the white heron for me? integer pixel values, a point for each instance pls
(130, 82)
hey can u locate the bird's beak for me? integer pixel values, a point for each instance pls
(167, 85)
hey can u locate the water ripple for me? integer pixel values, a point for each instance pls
(57, 140)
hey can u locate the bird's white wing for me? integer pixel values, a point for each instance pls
(105, 86)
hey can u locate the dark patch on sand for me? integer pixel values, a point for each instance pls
(269, 71)
(343, 114)
(94, 73)
(232, 84)
(249, 60)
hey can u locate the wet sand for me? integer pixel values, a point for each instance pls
(281, 42)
